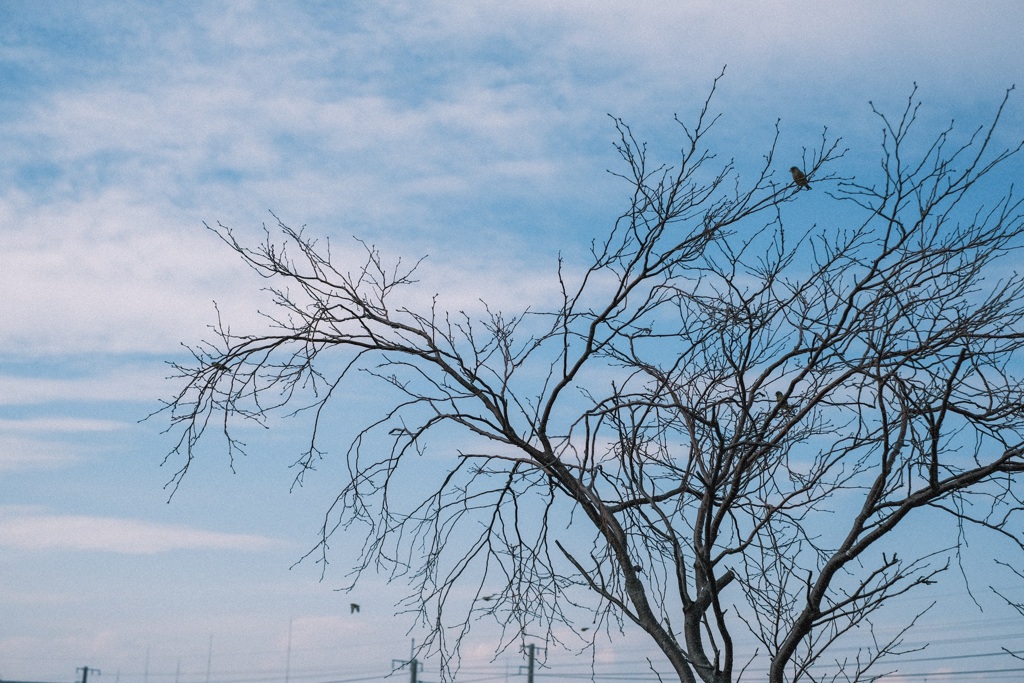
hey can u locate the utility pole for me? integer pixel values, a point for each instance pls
(288, 657)
(530, 658)
(412, 663)
(85, 672)
(209, 659)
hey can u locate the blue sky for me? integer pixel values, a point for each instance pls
(475, 132)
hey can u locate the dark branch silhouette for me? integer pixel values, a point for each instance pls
(713, 432)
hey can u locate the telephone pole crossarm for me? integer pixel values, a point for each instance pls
(413, 665)
(86, 671)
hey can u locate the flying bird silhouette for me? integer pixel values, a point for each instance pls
(353, 608)
(799, 178)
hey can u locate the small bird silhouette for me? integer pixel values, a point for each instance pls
(353, 608)
(799, 178)
(783, 404)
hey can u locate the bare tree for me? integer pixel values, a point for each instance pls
(714, 432)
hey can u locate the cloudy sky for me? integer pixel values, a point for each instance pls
(473, 132)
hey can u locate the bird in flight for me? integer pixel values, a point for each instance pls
(799, 178)
(353, 608)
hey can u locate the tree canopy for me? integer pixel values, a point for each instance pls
(712, 433)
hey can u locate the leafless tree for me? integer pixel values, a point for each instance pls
(711, 435)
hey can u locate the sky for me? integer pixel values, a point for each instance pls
(477, 133)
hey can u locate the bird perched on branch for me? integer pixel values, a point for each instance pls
(799, 178)
(784, 405)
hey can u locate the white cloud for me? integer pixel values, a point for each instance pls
(59, 424)
(120, 383)
(110, 275)
(113, 257)
(18, 453)
(472, 132)
(36, 531)
(330, 130)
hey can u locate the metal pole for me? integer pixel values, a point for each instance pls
(412, 661)
(85, 672)
(209, 659)
(288, 657)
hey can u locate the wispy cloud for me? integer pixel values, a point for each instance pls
(475, 133)
(18, 453)
(100, 381)
(59, 424)
(344, 122)
(38, 531)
